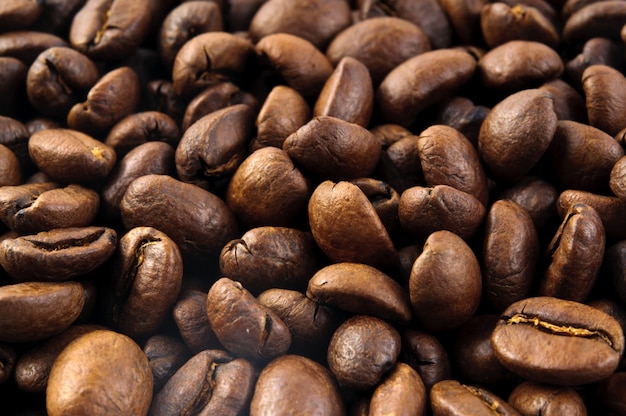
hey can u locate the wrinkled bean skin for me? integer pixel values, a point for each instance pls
(603, 87)
(449, 397)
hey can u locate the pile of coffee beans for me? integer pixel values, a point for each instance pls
(312, 207)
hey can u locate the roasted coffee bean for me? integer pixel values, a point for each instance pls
(192, 322)
(110, 29)
(271, 257)
(400, 164)
(595, 20)
(440, 301)
(166, 355)
(518, 65)
(115, 96)
(26, 45)
(208, 59)
(384, 199)
(101, 372)
(464, 18)
(29, 209)
(461, 114)
(212, 149)
(603, 87)
(210, 382)
(139, 128)
(380, 43)
(58, 254)
(303, 67)
(536, 196)
(215, 98)
(346, 226)
(57, 15)
(401, 392)
(15, 136)
(610, 209)
(317, 21)
(568, 103)
(596, 51)
(41, 123)
(267, 189)
(70, 156)
(536, 338)
(144, 283)
(516, 133)
(423, 211)
(8, 357)
(185, 21)
(198, 221)
(33, 366)
(161, 97)
(35, 311)
(531, 398)
(510, 234)
(283, 113)
(449, 397)
(10, 169)
(19, 14)
(576, 253)
(347, 286)
(617, 180)
(426, 355)
(146, 159)
(243, 325)
(362, 350)
(58, 79)
(292, 379)
(422, 81)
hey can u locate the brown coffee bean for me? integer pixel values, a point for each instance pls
(440, 301)
(334, 149)
(448, 158)
(348, 93)
(617, 180)
(537, 196)
(317, 21)
(583, 156)
(461, 114)
(215, 98)
(58, 254)
(10, 169)
(208, 59)
(15, 136)
(59, 78)
(101, 372)
(516, 133)
(380, 43)
(35, 311)
(362, 350)
(595, 20)
(26, 45)
(33, 367)
(402, 392)
(243, 325)
(56, 16)
(19, 14)
(139, 128)
(464, 18)
(347, 228)
(518, 65)
(210, 382)
(185, 21)
(283, 112)
(8, 358)
(271, 257)
(568, 103)
(198, 221)
(212, 149)
(422, 81)
(536, 338)
(144, 283)
(161, 97)
(509, 234)
(110, 29)
(610, 209)
(146, 159)
(501, 23)
(531, 398)
(449, 397)
(426, 355)
(29, 209)
(115, 96)
(423, 211)
(348, 286)
(303, 67)
(400, 164)
(70, 156)
(295, 383)
(576, 251)
(166, 355)
(596, 51)
(603, 87)
(192, 322)
(384, 199)
(473, 353)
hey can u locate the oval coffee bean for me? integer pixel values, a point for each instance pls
(401, 392)
(190, 316)
(283, 112)
(198, 221)
(610, 209)
(26, 45)
(166, 355)
(604, 87)
(139, 128)
(100, 373)
(617, 180)
(243, 325)
(426, 355)
(536, 338)
(449, 397)
(59, 254)
(35, 311)
(595, 20)
(347, 286)
(295, 383)
(362, 350)
(532, 398)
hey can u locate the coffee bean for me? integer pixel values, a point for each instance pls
(426, 355)
(26, 45)
(531, 398)
(166, 355)
(602, 86)
(401, 392)
(139, 128)
(10, 169)
(191, 319)
(449, 397)
(283, 112)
